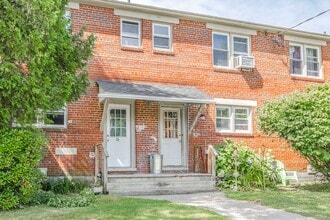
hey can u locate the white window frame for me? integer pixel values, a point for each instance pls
(230, 42)
(228, 49)
(232, 119)
(42, 124)
(163, 36)
(248, 45)
(304, 48)
(122, 35)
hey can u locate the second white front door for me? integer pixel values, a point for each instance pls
(119, 143)
(171, 136)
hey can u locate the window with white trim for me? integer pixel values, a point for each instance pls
(161, 36)
(228, 46)
(130, 33)
(233, 119)
(305, 60)
(53, 119)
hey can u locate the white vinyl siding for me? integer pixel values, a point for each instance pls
(305, 60)
(161, 36)
(130, 33)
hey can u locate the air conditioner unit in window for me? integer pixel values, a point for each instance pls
(244, 62)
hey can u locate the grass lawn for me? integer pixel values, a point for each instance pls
(113, 207)
(308, 200)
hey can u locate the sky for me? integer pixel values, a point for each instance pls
(281, 13)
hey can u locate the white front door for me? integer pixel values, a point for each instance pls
(171, 143)
(119, 144)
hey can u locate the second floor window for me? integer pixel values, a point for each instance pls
(305, 60)
(161, 36)
(130, 33)
(228, 46)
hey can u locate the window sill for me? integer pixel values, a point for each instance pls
(132, 49)
(162, 52)
(305, 78)
(233, 134)
(122, 169)
(226, 70)
(54, 129)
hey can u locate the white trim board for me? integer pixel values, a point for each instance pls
(235, 102)
(140, 15)
(303, 40)
(73, 5)
(230, 29)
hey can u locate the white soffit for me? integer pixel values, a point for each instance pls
(73, 5)
(140, 15)
(236, 30)
(235, 102)
(292, 38)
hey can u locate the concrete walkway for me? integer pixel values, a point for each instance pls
(234, 209)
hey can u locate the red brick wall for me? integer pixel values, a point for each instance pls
(189, 64)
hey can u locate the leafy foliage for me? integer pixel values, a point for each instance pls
(84, 198)
(20, 154)
(64, 186)
(303, 119)
(43, 65)
(239, 167)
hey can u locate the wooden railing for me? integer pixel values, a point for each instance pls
(211, 161)
(100, 149)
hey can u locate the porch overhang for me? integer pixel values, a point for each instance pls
(152, 92)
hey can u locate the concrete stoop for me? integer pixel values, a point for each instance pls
(159, 184)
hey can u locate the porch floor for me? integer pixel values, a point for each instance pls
(159, 184)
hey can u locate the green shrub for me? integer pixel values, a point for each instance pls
(20, 154)
(41, 197)
(84, 198)
(64, 186)
(303, 120)
(239, 167)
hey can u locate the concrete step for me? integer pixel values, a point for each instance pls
(148, 184)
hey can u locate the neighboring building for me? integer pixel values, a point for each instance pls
(165, 81)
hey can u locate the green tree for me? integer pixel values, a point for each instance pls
(303, 119)
(43, 64)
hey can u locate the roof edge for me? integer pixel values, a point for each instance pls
(201, 17)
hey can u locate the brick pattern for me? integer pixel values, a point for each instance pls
(189, 64)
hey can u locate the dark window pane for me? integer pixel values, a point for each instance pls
(161, 30)
(220, 42)
(220, 58)
(129, 41)
(55, 118)
(131, 28)
(161, 42)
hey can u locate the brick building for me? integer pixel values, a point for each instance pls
(165, 81)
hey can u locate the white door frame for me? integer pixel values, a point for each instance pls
(183, 123)
(120, 103)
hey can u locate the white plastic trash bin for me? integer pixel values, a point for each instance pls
(156, 163)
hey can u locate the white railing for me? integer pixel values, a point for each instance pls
(211, 161)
